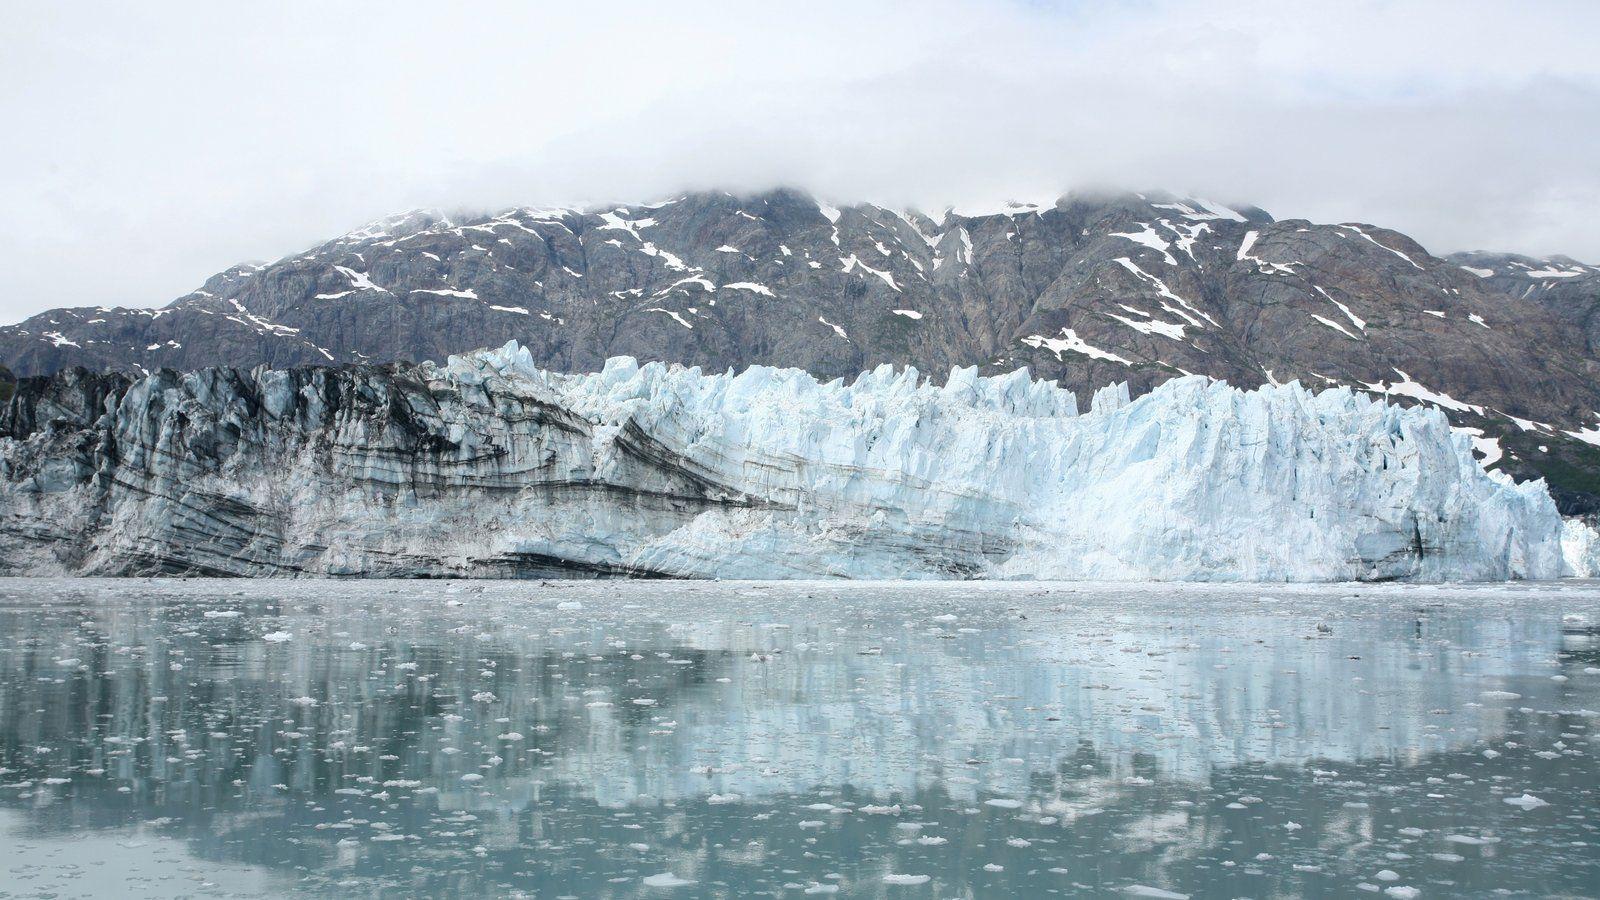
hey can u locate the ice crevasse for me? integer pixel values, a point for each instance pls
(487, 465)
(893, 476)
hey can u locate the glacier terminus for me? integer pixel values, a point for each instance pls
(488, 466)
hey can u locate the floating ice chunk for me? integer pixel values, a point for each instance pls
(665, 880)
(1526, 802)
(1145, 890)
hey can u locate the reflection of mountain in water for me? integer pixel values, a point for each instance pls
(344, 748)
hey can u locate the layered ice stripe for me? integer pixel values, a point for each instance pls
(489, 466)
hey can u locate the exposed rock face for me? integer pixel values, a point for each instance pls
(490, 466)
(1567, 288)
(1568, 292)
(1090, 291)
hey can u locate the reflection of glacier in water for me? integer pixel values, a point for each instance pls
(589, 736)
(926, 698)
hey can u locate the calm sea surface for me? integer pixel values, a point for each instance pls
(667, 739)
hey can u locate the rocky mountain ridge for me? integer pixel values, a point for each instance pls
(1092, 290)
(1570, 290)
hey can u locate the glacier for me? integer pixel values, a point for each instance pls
(487, 466)
(1580, 545)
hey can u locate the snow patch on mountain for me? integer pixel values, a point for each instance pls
(1406, 387)
(1069, 342)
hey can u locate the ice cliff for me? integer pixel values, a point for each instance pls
(1580, 544)
(489, 466)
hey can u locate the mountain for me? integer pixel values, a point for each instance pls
(490, 466)
(1569, 289)
(1093, 290)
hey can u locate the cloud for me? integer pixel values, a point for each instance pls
(153, 144)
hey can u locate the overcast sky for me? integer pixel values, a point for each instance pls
(151, 144)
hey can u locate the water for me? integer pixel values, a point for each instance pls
(662, 739)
